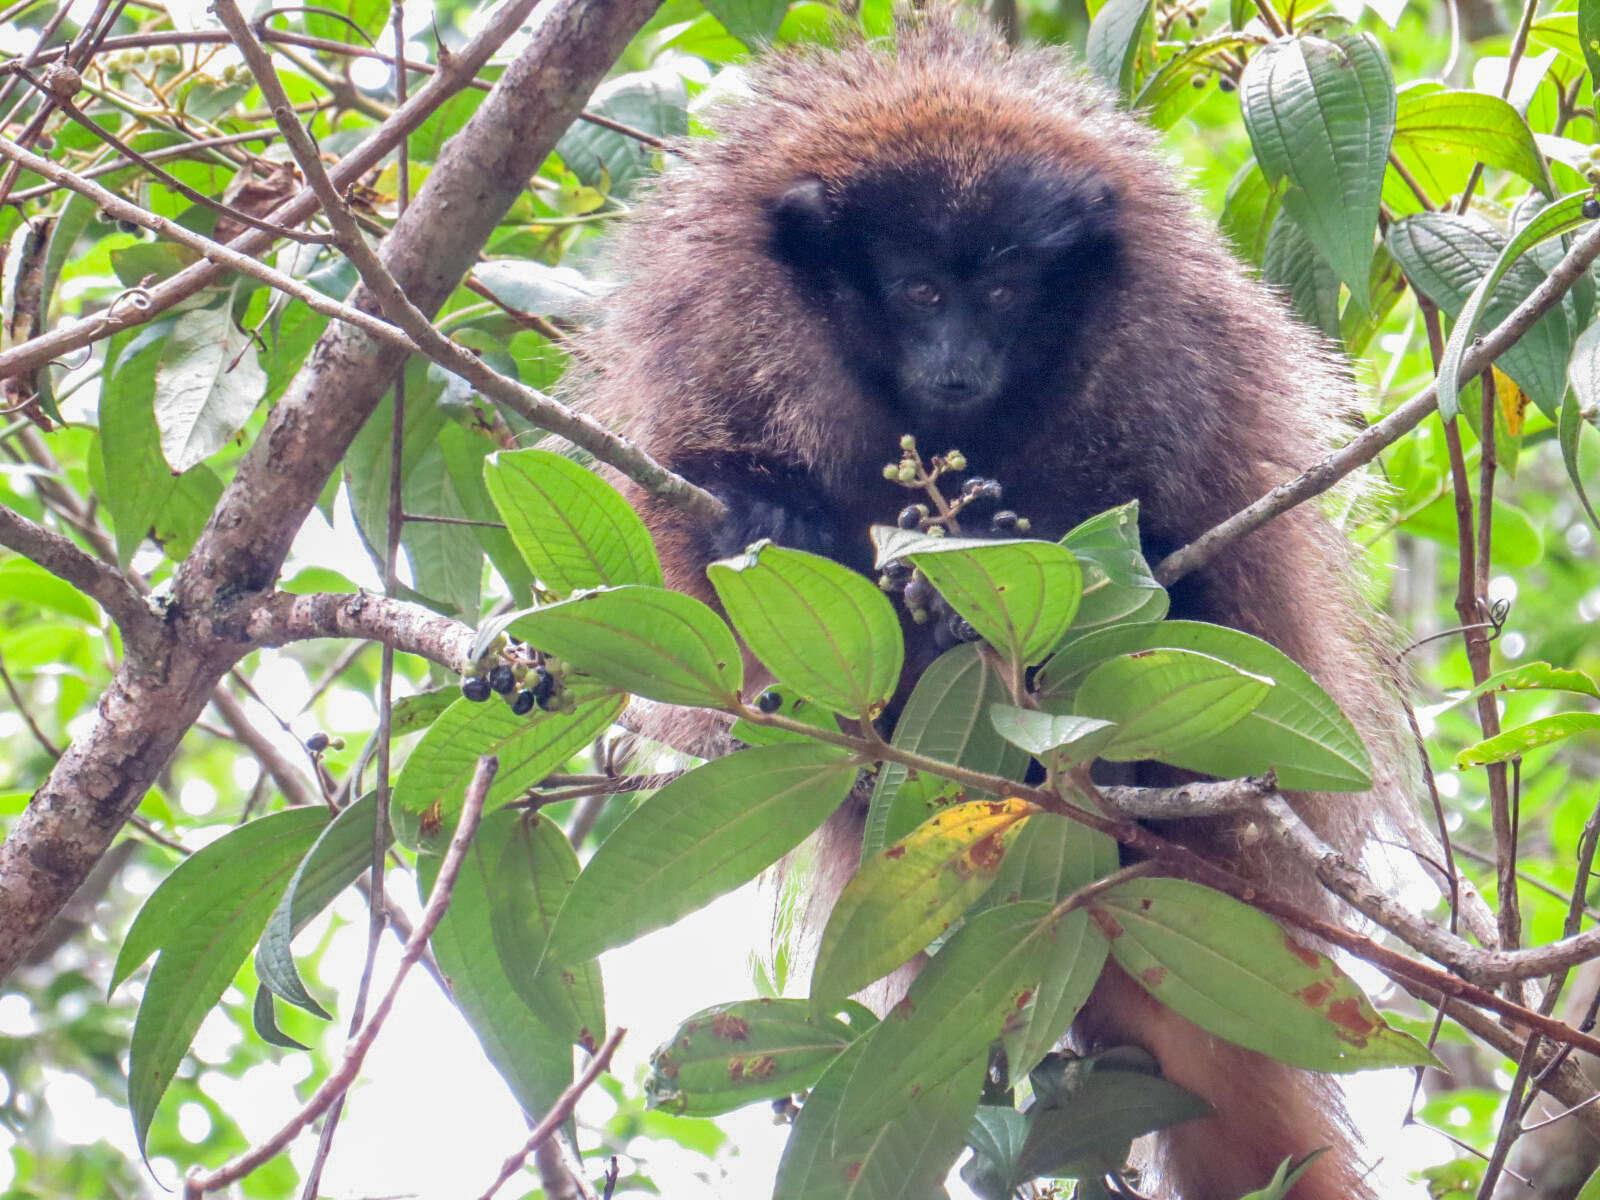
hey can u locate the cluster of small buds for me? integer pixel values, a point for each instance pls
(936, 518)
(527, 678)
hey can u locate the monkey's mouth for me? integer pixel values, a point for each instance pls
(952, 399)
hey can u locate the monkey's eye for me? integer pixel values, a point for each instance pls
(1001, 296)
(921, 292)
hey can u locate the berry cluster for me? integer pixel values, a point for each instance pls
(937, 518)
(527, 678)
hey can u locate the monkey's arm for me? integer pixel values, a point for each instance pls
(766, 498)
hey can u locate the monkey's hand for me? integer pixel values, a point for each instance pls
(764, 508)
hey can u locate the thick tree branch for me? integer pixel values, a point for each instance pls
(147, 707)
(282, 618)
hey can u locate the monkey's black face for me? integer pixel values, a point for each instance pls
(955, 307)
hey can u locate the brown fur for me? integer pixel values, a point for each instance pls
(1196, 395)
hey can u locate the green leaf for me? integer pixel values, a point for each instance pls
(907, 895)
(1285, 1177)
(572, 528)
(1589, 36)
(980, 987)
(264, 1020)
(654, 101)
(536, 288)
(207, 384)
(943, 719)
(1170, 92)
(654, 643)
(1117, 583)
(201, 922)
(1321, 112)
(1053, 738)
(904, 1159)
(1115, 35)
(996, 1137)
(1445, 255)
(1433, 124)
(1297, 729)
(1050, 859)
(1089, 1110)
(1249, 211)
(527, 886)
(1167, 702)
(1291, 263)
(1020, 595)
(534, 1059)
(704, 834)
(343, 850)
(823, 630)
(1235, 973)
(529, 748)
(1533, 676)
(1563, 216)
(1578, 406)
(730, 1055)
(1514, 743)
(753, 22)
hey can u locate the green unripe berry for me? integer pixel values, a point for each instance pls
(907, 442)
(1023, 524)
(907, 473)
(956, 460)
(891, 471)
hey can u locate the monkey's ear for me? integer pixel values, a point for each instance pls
(803, 224)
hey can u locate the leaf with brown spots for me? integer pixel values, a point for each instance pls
(736, 1054)
(906, 1157)
(908, 895)
(1235, 973)
(983, 985)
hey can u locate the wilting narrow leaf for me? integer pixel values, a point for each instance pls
(526, 887)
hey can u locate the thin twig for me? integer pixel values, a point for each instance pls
(559, 1112)
(200, 1182)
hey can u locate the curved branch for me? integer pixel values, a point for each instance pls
(1367, 445)
(283, 617)
(104, 584)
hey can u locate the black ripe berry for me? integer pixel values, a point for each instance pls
(544, 685)
(919, 592)
(1591, 208)
(910, 517)
(317, 743)
(475, 689)
(769, 702)
(502, 679)
(522, 703)
(1003, 521)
